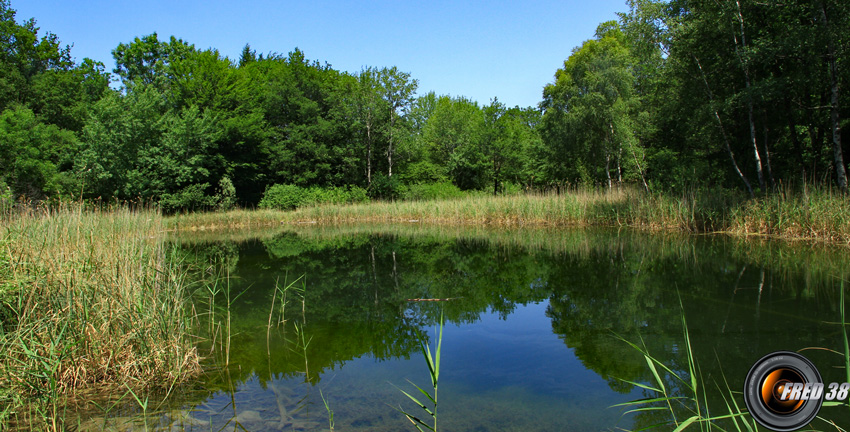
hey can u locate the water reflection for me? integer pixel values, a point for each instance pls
(535, 320)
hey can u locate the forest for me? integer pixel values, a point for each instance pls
(674, 95)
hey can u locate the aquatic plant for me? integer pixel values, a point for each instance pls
(693, 400)
(90, 297)
(430, 407)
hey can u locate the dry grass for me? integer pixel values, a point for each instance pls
(821, 215)
(89, 298)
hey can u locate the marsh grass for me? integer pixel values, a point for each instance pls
(691, 395)
(685, 392)
(90, 297)
(820, 214)
(429, 407)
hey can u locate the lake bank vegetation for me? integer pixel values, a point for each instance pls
(88, 299)
(820, 215)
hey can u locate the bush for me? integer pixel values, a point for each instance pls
(290, 197)
(508, 188)
(384, 187)
(192, 197)
(6, 198)
(336, 195)
(422, 192)
(226, 195)
(283, 197)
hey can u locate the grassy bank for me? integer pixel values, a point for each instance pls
(819, 215)
(89, 298)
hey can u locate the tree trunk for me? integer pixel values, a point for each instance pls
(390, 146)
(608, 168)
(495, 177)
(837, 153)
(746, 70)
(723, 131)
(767, 156)
(798, 147)
(619, 168)
(369, 154)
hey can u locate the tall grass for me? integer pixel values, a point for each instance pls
(820, 214)
(429, 407)
(691, 399)
(89, 298)
(689, 394)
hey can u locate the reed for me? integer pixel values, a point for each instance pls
(429, 407)
(819, 214)
(90, 297)
(691, 396)
(691, 401)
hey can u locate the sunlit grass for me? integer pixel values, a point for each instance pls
(89, 298)
(820, 214)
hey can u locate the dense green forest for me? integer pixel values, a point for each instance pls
(673, 95)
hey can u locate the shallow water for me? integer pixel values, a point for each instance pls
(532, 338)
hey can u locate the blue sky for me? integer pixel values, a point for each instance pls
(477, 49)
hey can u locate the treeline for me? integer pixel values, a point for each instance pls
(191, 129)
(688, 93)
(673, 95)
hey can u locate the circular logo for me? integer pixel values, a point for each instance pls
(778, 391)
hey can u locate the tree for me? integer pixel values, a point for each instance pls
(397, 90)
(588, 110)
(147, 60)
(453, 138)
(24, 56)
(248, 56)
(371, 113)
(35, 157)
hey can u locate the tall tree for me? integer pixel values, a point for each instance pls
(587, 111)
(371, 111)
(835, 51)
(398, 91)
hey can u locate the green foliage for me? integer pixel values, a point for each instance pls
(192, 197)
(385, 187)
(283, 197)
(673, 96)
(226, 195)
(290, 197)
(336, 195)
(6, 198)
(431, 191)
(33, 155)
(588, 125)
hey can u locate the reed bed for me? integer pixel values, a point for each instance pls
(88, 298)
(820, 214)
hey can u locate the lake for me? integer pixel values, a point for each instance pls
(305, 321)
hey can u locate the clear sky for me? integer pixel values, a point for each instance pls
(477, 49)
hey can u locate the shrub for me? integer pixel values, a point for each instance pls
(226, 195)
(384, 187)
(336, 195)
(431, 191)
(289, 197)
(6, 198)
(192, 197)
(283, 197)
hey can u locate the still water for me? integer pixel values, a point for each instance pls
(534, 334)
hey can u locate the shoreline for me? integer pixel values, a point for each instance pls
(820, 217)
